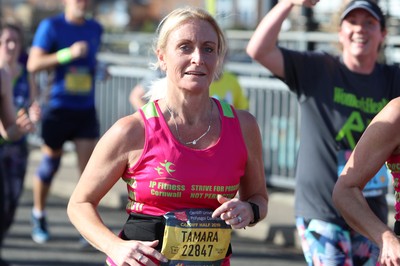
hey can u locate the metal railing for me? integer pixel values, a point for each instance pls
(277, 113)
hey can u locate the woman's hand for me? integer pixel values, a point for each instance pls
(234, 212)
(35, 112)
(133, 252)
(390, 250)
(23, 125)
(307, 3)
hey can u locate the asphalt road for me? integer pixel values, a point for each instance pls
(64, 250)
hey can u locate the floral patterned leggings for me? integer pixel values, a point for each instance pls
(326, 244)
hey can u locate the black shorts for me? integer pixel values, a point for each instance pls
(61, 125)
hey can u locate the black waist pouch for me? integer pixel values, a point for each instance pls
(397, 228)
(144, 228)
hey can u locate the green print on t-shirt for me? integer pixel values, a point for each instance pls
(364, 104)
(355, 123)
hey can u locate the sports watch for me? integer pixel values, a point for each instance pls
(256, 212)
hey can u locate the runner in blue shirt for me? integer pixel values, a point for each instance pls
(67, 44)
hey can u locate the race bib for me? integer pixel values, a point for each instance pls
(78, 80)
(377, 186)
(193, 237)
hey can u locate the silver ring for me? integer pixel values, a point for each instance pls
(140, 257)
(239, 219)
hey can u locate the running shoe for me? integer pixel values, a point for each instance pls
(40, 234)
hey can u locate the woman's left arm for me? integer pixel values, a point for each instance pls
(238, 212)
(253, 187)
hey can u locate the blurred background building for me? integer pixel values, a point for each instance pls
(144, 15)
(128, 21)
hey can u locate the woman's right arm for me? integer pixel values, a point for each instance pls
(120, 147)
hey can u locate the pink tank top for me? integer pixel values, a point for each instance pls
(170, 176)
(393, 164)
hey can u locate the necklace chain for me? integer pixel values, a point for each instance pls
(193, 142)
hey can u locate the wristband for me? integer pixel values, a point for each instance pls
(64, 56)
(256, 213)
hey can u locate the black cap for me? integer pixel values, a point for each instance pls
(367, 5)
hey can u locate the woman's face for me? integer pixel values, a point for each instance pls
(361, 34)
(190, 56)
(10, 45)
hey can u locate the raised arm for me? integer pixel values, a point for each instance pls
(262, 46)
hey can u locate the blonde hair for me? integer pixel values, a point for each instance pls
(180, 16)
